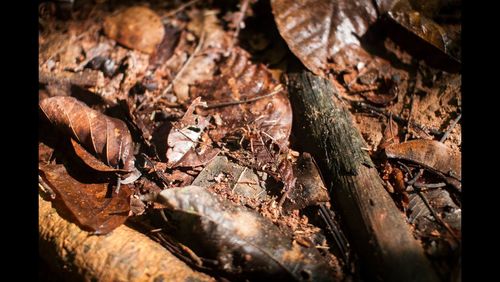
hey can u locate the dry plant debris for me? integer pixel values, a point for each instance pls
(182, 107)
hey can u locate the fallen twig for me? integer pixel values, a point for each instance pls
(369, 108)
(232, 103)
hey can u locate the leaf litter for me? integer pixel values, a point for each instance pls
(204, 112)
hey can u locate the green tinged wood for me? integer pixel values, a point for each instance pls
(377, 229)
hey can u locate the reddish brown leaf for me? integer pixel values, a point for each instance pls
(213, 43)
(137, 27)
(431, 154)
(316, 30)
(242, 80)
(93, 206)
(90, 160)
(106, 138)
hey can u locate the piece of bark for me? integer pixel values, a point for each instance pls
(377, 229)
(123, 255)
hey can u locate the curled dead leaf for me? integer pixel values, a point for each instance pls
(136, 27)
(92, 205)
(105, 137)
(417, 18)
(431, 154)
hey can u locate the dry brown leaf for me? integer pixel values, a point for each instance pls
(92, 161)
(241, 180)
(431, 154)
(91, 205)
(105, 137)
(213, 46)
(309, 189)
(316, 30)
(136, 27)
(417, 18)
(241, 80)
(239, 239)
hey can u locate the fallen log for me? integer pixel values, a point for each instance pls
(377, 229)
(122, 255)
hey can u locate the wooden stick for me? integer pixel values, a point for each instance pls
(376, 228)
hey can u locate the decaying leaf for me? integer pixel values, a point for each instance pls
(136, 27)
(92, 161)
(213, 44)
(184, 136)
(309, 189)
(316, 30)
(242, 80)
(94, 206)
(431, 154)
(416, 17)
(166, 48)
(105, 137)
(390, 135)
(239, 239)
(242, 180)
(440, 200)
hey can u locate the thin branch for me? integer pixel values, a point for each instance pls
(232, 103)
(243, 10)
(448, 131)
(181, 7)
(371, 109)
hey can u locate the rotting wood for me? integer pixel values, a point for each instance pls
(377, 229)
(86, 78)
(123, 255)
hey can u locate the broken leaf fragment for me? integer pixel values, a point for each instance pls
(240, 239)
(184, 136)
(309, 189)
(242, 180)
(93, 206)
(136, 27)
(417, 17)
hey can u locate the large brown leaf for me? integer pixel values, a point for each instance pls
(239, 239)
(105, 137)
(316, 30)
(93, 206)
